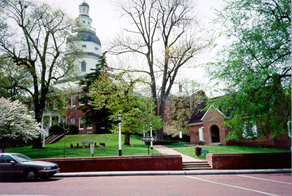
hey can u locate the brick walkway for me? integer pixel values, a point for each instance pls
(168, 151)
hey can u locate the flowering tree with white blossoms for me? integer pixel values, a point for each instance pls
(16, 122)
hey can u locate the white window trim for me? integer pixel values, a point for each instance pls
(254, 131)
(55, 104)
(73, 101)
(72, 121)
(80, 96)
(80, 119)
(289, 128)
(201, 134)
(89, 127)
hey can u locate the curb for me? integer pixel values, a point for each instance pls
(191, 172)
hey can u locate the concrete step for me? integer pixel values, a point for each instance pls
(200, 165)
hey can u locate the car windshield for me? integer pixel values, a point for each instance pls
(21, 158)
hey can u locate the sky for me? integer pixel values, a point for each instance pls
(108, 23)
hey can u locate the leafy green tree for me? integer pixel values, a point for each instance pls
(34, 36)
(93, 116)
(119, 96)
(256, 66)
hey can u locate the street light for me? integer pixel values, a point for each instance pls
(151, 143)
(120, 133)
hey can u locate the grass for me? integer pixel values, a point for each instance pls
(227, 149)
(56, 150)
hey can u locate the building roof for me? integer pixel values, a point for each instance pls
(84, 4)
(88, 36)
(198, 113)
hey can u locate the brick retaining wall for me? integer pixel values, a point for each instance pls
(249, 161)
(123, 163)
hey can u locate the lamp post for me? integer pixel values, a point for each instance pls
(151, 143)
(120, 133)
(180, 136)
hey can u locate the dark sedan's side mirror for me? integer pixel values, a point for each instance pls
(13, 162)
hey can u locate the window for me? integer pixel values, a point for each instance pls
(6, 159)
(201, 134)
(72, 121)
(83, 46)
(89, 127)
(83, 66)
(81, 124)
(289, 128)
(73, 101)
(55, 104)
(80, 99)
(66, 100)
(249, 130)
(173, 107)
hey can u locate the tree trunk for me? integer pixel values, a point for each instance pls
(2, 144)
(127, 139)
(37, 142)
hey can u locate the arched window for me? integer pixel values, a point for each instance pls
(83, 66)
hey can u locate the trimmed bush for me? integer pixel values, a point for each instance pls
(59, 128)
(56, 129)
(74, 130)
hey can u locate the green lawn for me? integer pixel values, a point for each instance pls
(111, 147)
(226, 149)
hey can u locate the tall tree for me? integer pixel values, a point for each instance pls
(93, 116)
(165, 33)
(256, 66)
(112, 92)
(16, 122)
(34, 37)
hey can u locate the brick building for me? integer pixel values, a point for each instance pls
(206, 127)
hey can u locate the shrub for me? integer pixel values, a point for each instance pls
(74, 130)
(55, 129)
(59, 128)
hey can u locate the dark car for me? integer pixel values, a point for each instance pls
(16, 164)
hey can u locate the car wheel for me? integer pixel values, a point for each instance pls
(31, 175)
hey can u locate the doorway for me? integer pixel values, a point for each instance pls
(214, 134)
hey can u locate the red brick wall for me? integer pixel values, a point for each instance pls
(280, 142)
(249, 161)
(194, 133)
(214, 118)
(77, 114)
(123, 163)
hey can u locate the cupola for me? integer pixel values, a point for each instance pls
(84, 9)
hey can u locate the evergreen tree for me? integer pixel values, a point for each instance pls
(92, 116)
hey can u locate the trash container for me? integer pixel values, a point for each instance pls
(198, 151)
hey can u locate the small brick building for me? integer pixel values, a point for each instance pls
(206, 127)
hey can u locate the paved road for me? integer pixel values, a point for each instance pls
(237, 184)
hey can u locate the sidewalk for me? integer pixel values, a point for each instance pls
(168, 151)
(181, 172)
